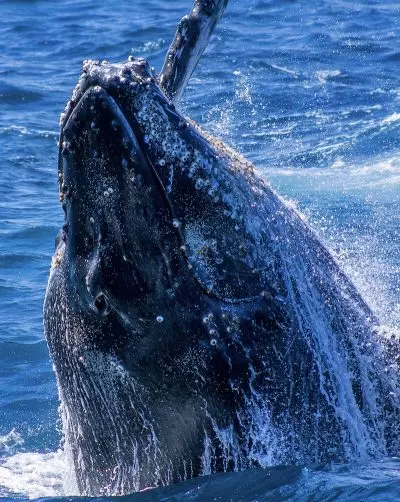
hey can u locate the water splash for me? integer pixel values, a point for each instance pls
(33, 475)
(10, 442)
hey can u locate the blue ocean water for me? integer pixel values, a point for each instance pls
(308, 91)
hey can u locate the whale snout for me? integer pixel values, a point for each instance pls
(101, 164)
(123, 81)
(115, 209)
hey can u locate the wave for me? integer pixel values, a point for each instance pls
(19, 130)
(12, 94)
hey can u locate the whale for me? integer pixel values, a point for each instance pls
(196, 323)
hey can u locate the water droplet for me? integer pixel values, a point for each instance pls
(208, 318)
(176, 223)
(213, 341)
(159, 318)
(162, 162)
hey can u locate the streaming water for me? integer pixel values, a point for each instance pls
(308, 92)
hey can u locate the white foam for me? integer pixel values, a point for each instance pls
(341, 176)
(33, 475)
(324, 75)
(23, 131)
(392, 118)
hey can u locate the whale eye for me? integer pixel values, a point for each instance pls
(102, 305)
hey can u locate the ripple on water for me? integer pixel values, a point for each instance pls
(13, 95)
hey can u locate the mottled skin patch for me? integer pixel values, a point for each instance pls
(57, 258)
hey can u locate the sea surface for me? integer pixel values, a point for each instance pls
(308, 91)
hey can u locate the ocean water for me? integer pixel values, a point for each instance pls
(308, 91)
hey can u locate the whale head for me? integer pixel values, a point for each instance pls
(155, 255)
(139, 181)
(189, 310)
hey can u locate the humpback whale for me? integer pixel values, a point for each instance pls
(195, 321)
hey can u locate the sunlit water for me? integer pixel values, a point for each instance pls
(308, 91)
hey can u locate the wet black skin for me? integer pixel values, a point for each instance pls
(121, 268)
(143, 345)
(177, 331)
